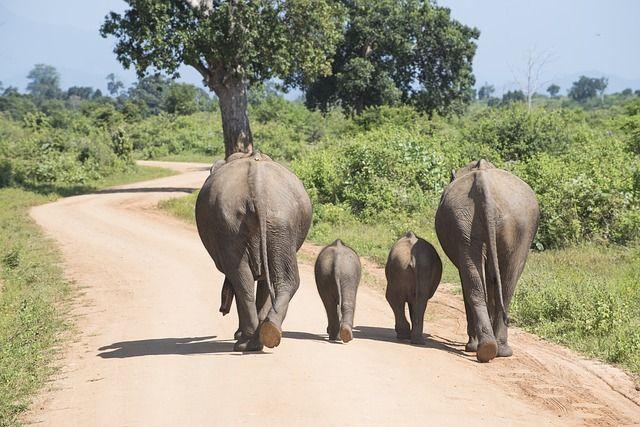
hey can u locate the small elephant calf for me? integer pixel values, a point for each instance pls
(338, 274)
(413, 273)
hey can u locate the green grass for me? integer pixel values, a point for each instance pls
(136, 174)
(34, 296)
(181, 207)
(585, 297)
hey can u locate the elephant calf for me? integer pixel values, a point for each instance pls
(413, 273)
(338, 271)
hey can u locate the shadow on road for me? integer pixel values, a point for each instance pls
(303, 336)
(389, 335)
(153, 347)
(146, 190)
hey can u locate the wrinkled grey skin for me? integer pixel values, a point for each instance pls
(413, 272)
(252, 216)
(338, 272)
(486, 221)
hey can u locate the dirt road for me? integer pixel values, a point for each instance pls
(151, 348)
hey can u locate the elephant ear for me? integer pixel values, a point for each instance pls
(453, 175)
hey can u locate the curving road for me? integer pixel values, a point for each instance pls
(151, 348)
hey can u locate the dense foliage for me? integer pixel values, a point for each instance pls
(393, 52)
(585, 177)
(233, 44)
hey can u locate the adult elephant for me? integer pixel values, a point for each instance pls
(253, 215)
(485, 222)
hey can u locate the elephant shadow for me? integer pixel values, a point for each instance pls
(389, 335)
(166, 346)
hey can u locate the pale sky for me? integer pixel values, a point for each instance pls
(590, 37)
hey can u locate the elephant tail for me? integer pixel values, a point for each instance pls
(255, 182)
(336, 278)
(489, 214)
(264, 256)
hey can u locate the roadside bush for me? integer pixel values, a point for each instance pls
(517, 133)
(39, 156)
(590, 192)
(388, 169)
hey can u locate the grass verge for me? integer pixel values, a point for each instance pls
(34, 295)
(585, 297)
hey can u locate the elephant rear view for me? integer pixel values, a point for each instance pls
(486, 222)
(337, 272)
(413, 272)
(252, 216)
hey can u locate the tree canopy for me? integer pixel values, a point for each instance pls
(44, 82)
(232, 44)
(407, 51)
(587, 87)
(486, 91)
(553, 90)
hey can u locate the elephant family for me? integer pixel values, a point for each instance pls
(253, 215)
(413, 272)
(486, 221)
(338, 272)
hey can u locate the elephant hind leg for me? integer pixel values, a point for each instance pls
(417, 321)
(263, 301)
(472, 344)
(243, 284)
(403, 329)
(501, 328)
(471, 280)
(285, 286)
(330, 302)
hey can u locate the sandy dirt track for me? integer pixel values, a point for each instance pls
(151, 348)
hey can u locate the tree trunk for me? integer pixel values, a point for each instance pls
(232, 95)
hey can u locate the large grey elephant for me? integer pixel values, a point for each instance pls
(413, 272)
(253, 215)
(338, 270)
(486, 221)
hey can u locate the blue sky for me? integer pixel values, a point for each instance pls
(590, 37)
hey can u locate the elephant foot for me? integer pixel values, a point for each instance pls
(238, 334)
(333, 334)
(247, 344)
(486, 351)
(270, 334)
(418, 340)
(403, 335)
(504, 350)
(346, 334)
(472, 345)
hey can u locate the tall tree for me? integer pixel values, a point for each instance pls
(587, 87)
(150, 90)
(553, 90)
(80, 92)
(44, 82)
(530, 79)
(114, 86)
(485, 91)
(182, 99)
(513, 96)
(601, 86)
(232, 44)
(408, 51)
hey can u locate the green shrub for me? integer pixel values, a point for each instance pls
(517, 133)
(589, 192)
(388, 169)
